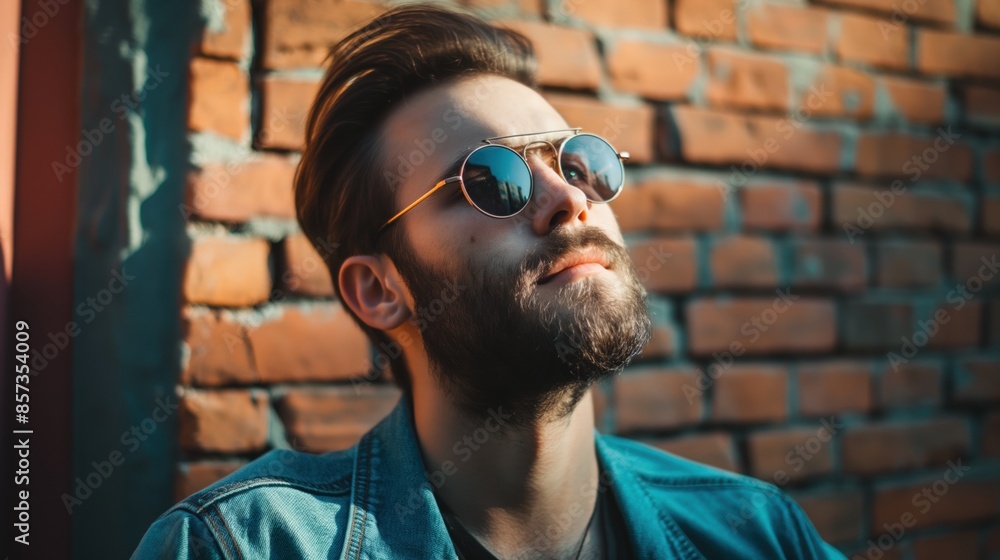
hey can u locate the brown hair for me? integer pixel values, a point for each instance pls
(343, 191)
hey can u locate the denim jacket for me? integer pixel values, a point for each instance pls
(375, 501)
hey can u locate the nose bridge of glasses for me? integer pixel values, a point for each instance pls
(541, 151)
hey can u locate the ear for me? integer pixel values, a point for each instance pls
(373, 289)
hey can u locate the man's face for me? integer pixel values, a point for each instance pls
(497, 326)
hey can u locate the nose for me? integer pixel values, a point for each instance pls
(554, 202)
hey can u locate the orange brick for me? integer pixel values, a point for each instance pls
(750, 393)
(778, 205)
(640, 14)
(743, 262)
(788, 28)
(908, 264)
(566, 57)
(745, 80)
(670, 204)
(858, 208)
(957, 55)
(219, 98)
(784, 455)
(834, 388)
(962, 544)
(750, 142)
(915, 383)
(982, 106)
(218, 352)
(284, 109)
(871, 325)
(837, 514)
(915, 100)
(930, 11)
(227, 271)
(653, 399)
(333, 418)
(223, 421)
(977, 381)
(895, 154)
(988, 13)
(229, 37)
(192, 477)
(299, 33)
(828, 263)
(667, 265)
(654, 71)
(956, 328)
(868, 40)
(990, 217)
(841, 92)
(898, 445)
(713, 448)
(991, 165)
(932, 502)
(972, 264)
(706, 19)
(662, 341)
(305, 270)
(761, 325)
(627, 127)
(240, 190)
(320, 344)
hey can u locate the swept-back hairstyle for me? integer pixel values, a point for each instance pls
(343, 190)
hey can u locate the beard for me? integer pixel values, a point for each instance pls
(494, 339)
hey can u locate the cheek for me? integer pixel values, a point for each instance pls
(603, 217)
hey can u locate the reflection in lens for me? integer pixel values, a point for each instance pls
(497, 180)
(592, 165)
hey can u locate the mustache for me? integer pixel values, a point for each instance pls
(561, 242)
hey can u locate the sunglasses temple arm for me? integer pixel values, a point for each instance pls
(438, 186)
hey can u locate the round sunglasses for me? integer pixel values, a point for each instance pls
(497, 180)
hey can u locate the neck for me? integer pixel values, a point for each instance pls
(523, 489)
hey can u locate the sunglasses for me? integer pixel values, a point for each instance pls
(497, 180)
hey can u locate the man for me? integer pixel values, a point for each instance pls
(474, 245)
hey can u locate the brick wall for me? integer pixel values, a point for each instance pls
(813, 202)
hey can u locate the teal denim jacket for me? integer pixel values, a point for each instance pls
(375, 501)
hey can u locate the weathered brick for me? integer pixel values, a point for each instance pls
(786, 27)
(962, 544)
(898, 445)
(917, 101)
(718, 138)
(227, 271)
(957, 327)
(218, 350)
(192, 477)
(834, 388)
(779, 205)
(828, 263)
(667, 265)
(761, 325)
(990, 217)
(322, 343)
(982, 106)
(662, 341)
(219, 98)
(868, 40)
(299, 33)
(744, 80)
(640, 14)
(285, 106)
(838, 91)
(711, 448)
(937, 501)
(858, 208)
(670, 204)
(895, 154)
(837, 514)
(991, 435)
(991, 165)
(750, 393)
(977, 381)
(305, 271)
(871, 325)
(790, 454)
(229, 36)
(651, 70)
(237, 191)
(706, 19)
(651, 399)
(908, 263)
(974, 265)
(913, 383)
(929, 11)
(988, 13)
(957, 55)
(333, 418)
(627, 127)
(566, 57)
(743, 261)
(223, 421)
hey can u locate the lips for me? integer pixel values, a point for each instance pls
(589, 255)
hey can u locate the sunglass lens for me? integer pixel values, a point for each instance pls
(592, 165)
(497, 181)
